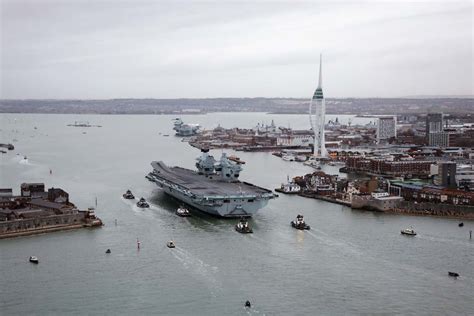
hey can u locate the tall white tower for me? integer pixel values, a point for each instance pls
(317, 118)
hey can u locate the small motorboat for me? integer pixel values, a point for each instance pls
(243, 227)
(170, 244)
(299, 223)
(183, 212)
(247, 304)
(34, 259)
(143, 203)
(453, 274)
(408, 232)
(461, 224)
(108, 251)
(128, 195)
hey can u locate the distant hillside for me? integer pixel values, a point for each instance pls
(274, 105)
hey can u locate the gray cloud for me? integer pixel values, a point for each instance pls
(161, 49)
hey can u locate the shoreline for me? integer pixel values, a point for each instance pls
(467, 216)
(44, 230)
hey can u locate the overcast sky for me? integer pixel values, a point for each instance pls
(195, 49)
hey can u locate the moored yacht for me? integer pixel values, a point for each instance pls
(289, 187)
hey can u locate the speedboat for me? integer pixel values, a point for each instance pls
(34, 259)
(143, 203)
(128, 195)
(243, 227)
(453, 274)
(299, 223)
(183, 212)
(170, 244)
(408, 231)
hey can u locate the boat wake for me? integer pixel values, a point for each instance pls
(196, 266)
(332, 242)
(446, 240)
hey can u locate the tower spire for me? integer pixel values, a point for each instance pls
(320, 84)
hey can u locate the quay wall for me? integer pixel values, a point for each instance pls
(410, 208)
(31, 226)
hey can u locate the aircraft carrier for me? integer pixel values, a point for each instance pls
(214, 188)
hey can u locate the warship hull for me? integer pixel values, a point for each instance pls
(208, 194)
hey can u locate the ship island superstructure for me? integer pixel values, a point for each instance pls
(214, 188)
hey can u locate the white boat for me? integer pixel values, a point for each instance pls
(289, 187)
(34, 259)
(408, 231)
(301, 158)
(183, 212)
(170, 244)
(288, 158)
(313, 163)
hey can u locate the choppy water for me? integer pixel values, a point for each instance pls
(351, 262)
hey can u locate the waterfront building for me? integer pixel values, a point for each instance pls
(391, 168)
(317, 118)
(386, 128)
(38, 211)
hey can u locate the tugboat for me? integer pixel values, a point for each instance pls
(128, 195)
(143, 203)
(183, 212)
(34, 259)
(243, 227)
(170, 244)
(408, 232)
(299, 223)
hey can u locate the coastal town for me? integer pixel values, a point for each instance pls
(408, 164)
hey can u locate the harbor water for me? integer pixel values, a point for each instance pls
(350, 262)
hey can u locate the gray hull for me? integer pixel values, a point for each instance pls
(223, 199)
(237, 208)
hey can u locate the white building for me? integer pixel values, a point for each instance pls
(317, 119)
(386, 128)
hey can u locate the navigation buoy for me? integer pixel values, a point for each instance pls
(247, 304)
